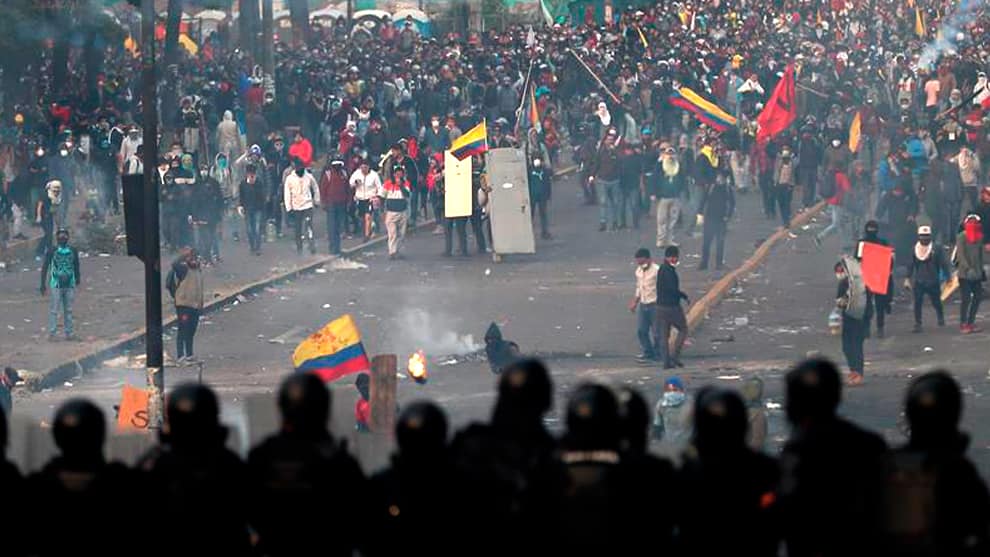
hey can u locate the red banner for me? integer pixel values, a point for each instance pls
(780, 110)
(876, 266)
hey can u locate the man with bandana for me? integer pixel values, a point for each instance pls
(928, 266)
(60, 273)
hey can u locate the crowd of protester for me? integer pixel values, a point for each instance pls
(356, 99)
(509, 485)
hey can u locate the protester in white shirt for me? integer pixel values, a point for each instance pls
(301, 194)
(367, 186)
(644, 305)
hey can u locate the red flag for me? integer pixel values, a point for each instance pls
(780, 110)
(876, 266)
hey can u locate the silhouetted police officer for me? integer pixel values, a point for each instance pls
(726, 491)
(199, 487)
(11, 488)
(412, 500)
(306, 489)
(831, 470)
(85, 495)
(934, 500)
(507, 472)
(652, 477)
(599, 500)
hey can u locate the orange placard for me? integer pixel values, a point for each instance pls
(133, 413)
(876, 266)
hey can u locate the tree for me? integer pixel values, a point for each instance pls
(250, 25)
(299, 14)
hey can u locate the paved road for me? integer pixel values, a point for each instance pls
(567, 304)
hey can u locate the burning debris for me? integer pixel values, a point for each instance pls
(417, 367)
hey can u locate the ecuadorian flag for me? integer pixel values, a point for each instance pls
(705, 111)
(332, 352)
(473, 142)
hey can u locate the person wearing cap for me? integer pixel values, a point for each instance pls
(397, 193)
(928, 265)
(301, 194)
(60, 273)
(969, 269)
(644, 305)
(335, 194)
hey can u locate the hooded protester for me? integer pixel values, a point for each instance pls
(969, 270)
(500, 352)
(934, 501)
(60, 273)
(540, 179)
(672, 413)
(877, 305)
(897, 209)
(207, 214)
(228, 137)
(184, 283)
(49, 215)
(301, 194)
(928, 266)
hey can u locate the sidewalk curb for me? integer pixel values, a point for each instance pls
(78, 365)
(698, 311)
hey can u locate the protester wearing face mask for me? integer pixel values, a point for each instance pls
(927, 269)
(49, 216)
(185, 283)
(969, 269)
(644, 305)
(851, 299)
(60, 273)
(669, 311)
(434, 138)
(301, 194)
(539, 195)
(206, 213)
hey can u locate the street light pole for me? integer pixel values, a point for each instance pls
(152, 253)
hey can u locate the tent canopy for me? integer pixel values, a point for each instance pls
(212, 15)
(418, 15)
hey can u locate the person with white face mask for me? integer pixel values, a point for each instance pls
(644, 305)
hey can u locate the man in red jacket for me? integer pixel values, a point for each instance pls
(301, 149)
(335, 194)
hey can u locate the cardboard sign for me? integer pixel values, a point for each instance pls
(457, 187)
(133, 413)
(876, 265)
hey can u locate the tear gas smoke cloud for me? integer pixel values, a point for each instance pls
(434, 333)
(945, 41)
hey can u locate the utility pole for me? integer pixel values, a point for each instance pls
(350, 14)
(152, 253)
(268, 40)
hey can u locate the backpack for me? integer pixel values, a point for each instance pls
(63, 272)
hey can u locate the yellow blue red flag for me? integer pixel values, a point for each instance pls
(473, 142)
(704, 110)
(332, 352)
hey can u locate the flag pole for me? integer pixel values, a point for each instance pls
(595, 76)
(522, 101)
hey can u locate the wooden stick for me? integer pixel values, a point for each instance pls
(595, 76)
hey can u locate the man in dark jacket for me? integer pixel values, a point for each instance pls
(669, 311)
(335, 193)
(928, 265)
(718, 202)
(539, 194)
(809, 158)
(207, 210)
(252, 204)
(300, 469)
(830, 468)
(605, 174)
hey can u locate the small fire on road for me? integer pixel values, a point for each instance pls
(417, 367)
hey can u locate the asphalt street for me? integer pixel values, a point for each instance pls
(566, 304)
